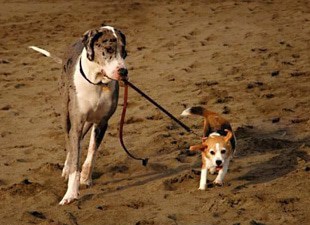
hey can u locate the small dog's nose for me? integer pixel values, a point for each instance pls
(218, 162)
(123, 72)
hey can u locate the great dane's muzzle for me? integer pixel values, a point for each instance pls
(123, 72)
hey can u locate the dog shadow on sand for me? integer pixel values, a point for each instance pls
(286, 153)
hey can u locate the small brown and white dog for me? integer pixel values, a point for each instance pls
(217, 147)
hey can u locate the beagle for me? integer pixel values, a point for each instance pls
(217, 147)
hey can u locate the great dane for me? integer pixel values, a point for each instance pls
(92, 67)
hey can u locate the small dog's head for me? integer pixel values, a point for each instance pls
(105, 48)
(216, 148)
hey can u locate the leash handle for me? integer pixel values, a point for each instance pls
(159, 107)
(145, 160)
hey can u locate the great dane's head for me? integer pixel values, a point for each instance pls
(105, 49)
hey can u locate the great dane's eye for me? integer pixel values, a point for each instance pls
(110, 50)
(113, 40)
(223, 151)
(98, 44)
(212, 152)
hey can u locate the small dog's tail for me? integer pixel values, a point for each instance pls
(47, 54)
(199, 111)
(196, 110)
(212, 122)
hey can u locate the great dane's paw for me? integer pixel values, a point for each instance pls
(67, 199)
(202, 188)
(86, 178)
(65, 172)
(86, 182)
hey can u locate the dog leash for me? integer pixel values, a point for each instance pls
(126, 84)
(160, 107)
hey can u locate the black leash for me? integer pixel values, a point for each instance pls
(159, 107)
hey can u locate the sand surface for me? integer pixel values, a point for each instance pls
(248, 60)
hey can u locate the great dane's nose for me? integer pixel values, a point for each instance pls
(218, 162)
(123, 72)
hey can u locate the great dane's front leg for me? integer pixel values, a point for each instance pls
(73, 162)
(65, 170)
(96, 137)
(67, 128)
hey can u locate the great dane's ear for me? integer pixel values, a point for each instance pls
(88, 40)
(123, 37)
(123, 41)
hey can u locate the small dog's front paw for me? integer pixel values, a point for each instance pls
(212, 170)
(218, 183)
(202, 188)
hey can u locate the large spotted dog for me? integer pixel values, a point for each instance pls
(92, 68)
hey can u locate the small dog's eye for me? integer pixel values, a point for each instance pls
(212, 152)
(223, 151)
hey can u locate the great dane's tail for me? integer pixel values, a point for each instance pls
(47, 54)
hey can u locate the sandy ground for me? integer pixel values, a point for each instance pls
(248, 60)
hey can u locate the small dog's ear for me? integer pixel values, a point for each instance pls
(88, 41)
(197, 147)
(228, 135)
